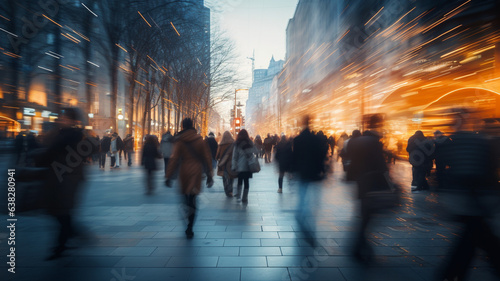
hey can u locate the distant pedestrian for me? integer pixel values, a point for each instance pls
(114, 149)
(284, 157)
(242, 152)
(224, 156)
(149, 155)
(104, 150)
(128, 144)
(212, 145)
(259, 146)
(268, 148)
(331, 143)
(420, 151)
(167, 147)
(192, 156)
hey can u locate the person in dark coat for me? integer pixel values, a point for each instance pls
(66, 174)
(473, 181)
(420, 151)
(308, 162)
(149, 155)
(104, 150)
(284, 157)
(212, 145)
(259, 145)
(331, 143)
(368, 167)
(128, 146)
(268, 147)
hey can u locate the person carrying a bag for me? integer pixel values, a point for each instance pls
(244, 161)
(190, 155)
(224, 156)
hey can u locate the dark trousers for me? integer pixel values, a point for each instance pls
(190, 205)
(419, 180)
(113, 160)
(268, 156)
(166, 164)
(244, 180)
(102, 159)
(362, 249)
(149, 181)
(129, 157)
(477, 233)
(65, 231)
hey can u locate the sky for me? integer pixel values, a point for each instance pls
(258, 25)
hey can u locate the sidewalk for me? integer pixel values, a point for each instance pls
(140, 237)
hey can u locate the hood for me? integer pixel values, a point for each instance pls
(188, 135)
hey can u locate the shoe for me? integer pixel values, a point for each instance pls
(280, 190)
(117, 167)
(414, 187)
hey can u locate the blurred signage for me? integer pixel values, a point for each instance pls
(46, 113)
(29, 111)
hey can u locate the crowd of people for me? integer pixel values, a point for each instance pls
(466, 161)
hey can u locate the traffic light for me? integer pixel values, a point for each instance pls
(237, 125)
(232, 113)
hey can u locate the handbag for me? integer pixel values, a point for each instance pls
(381, 193)
(253, 162)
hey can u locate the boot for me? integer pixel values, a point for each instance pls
(280, 184)
(237, 193)
(244, 199)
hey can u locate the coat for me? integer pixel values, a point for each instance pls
(149, 155)
(128, 144)
(222, 150)
(189, 164)
(239, 161)
(284, 155)
(212, 144)
(309, 156)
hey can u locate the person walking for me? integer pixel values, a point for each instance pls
(420, 152)
(308, 160)
(128, 144)
(196, 159)
(268, 147)
(473, 183)
(63, 184)
(167, 146)
(368, 168)
(149, 155)
(224, 156)
(104, 150)
(242, 151)
(259, 146)
(440, 141)
(114, 148)
(284, 157)
(212, 145)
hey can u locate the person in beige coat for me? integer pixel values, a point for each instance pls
(225, 154)
(196, 160)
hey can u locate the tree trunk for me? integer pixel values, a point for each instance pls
(114, 85)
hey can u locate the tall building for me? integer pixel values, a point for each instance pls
(259, 103)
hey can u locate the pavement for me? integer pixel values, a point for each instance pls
(133, 236)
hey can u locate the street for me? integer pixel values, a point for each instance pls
(133, 236)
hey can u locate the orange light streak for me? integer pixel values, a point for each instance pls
(119, 46)
(175, 29)
(144, 18)
(374, 15)
(52, 20)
